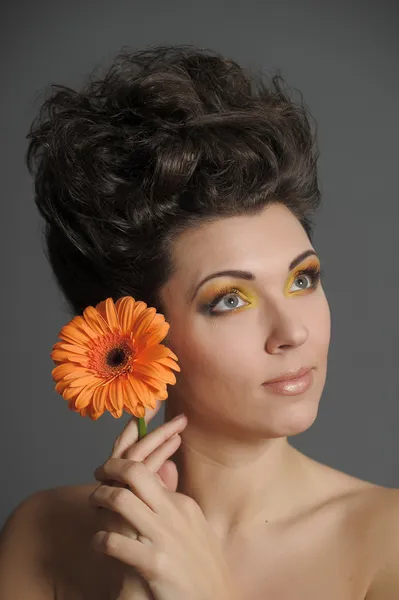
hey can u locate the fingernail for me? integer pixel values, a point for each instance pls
(179, 417)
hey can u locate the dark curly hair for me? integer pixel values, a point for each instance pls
(168, 137)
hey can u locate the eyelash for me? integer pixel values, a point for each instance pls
(226, 291)
(313, 272)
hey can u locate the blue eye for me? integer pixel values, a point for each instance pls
(227, 302)
(303, 278)
(312, 274)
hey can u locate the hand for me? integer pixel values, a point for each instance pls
(154, 449)
(177, 552)
(127, 446)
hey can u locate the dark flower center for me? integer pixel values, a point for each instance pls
(115, 357)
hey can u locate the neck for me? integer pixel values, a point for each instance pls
(238, 483)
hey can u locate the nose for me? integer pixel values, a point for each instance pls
(287, 331)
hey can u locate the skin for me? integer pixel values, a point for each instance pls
(289, 527)
(235, 459)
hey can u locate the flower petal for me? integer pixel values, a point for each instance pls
(83, 381)
(70, 393)
(165, 375)
(156, 387)
(79, 373)
(95, 321)
(114, 402)
(152, 353)
(120, 392)
(149, 377)
(152, 399)
(65, 369)
(94, 416)
(80, 323)
(162, 395)
(125, 309)
(168, 362)
(61, 386)
(157, 371)
(154, 335)
(84, 398)
(63, 355)
(142, 391)
(138, 411)
(74, 335)
(99, 397)
(131, 399)
(143, 322)
(86, 395)
(74, 348)
(148, 369)
(108, 312)
(139, 308)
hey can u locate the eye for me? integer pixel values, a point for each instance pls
(227, 302)
(307, 279)
(302, 282)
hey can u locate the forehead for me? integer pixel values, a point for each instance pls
(269, 239)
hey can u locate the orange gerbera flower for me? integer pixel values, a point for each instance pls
(111, 359)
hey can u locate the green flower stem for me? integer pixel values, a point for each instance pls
(142, 428)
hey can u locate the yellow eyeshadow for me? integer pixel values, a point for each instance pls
(312, 264)
(221, 289)
(214, 292)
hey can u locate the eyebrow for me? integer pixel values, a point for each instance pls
(247, 274)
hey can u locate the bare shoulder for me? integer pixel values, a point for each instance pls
(77, 570)
(54, 528)
(366, 502)
(369, 514)
(383, 543)
(22, 553)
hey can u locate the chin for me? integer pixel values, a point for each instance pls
(300, 419)
(290, 417)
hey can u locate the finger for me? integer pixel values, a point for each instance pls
(134, 586)
(142, 449)
(144, 486)
(113, 521)
(130, 433)
(155, 461)
(169, 447)
(135, 507)
(130, 552)
(169, 475)
(108, 520)
(129, 438)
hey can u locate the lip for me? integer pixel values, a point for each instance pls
(291, 384)
(290, 375)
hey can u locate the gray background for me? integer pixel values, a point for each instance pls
(344, 58)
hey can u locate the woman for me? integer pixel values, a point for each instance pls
(188, 183)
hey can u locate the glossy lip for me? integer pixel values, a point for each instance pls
(289, 375)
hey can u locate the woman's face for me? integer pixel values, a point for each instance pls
(237, 330)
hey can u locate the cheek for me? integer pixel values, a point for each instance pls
(215, 350)
(216, 353)
(320, 323)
